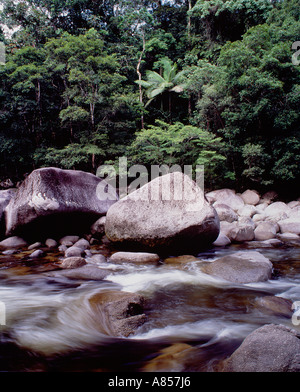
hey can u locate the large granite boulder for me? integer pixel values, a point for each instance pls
(52, 202)
(241, 267)
(271, 348)
(169, 213)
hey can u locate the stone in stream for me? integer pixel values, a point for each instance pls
(271, 348)
(134, 257)
(118, 313)
(290, 225)
(170, 213)
(72, 262)
(74, 251)
(50, 243)
(241, 267)
(35, 245)
(273, 305)
(84, 272)
(13, 243)
(69, 240)
(51, 202)
(265, 231)
(179, 260)
(37, 254)
(222, 240)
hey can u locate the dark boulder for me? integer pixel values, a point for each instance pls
(52, 202)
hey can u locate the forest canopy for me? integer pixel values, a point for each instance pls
(162, 82)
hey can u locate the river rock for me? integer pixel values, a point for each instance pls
(85, 272)
(277, 211)
(290, 225)
(222, 240)
(120, 313)
(35, 245)
(275, 305)
(225, 213)
(134, 257)
(73, 262)
(241, 267)
(36, 254)
(82, 244)
(247, 211)
(241, 233)
(50, 243)
(74, 251)
(265, 231)
(13, 243)
(97, 259)
(98, 228)
(228, 197)
(69, 240)
(250, 197)
(271, 348)
(168, 213)
(180, 260)
(52, 201)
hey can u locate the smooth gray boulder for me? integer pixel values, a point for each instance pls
(134, 257)
(74, 251)
(265, 231)
(241, 267)
(290, 225)
(168, 213)
(250, 197)
(51, 202)
(13, 243)
(73, 262)
(271, 348)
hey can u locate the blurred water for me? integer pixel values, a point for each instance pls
(50, 323)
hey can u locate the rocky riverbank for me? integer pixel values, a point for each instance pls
(58, 213)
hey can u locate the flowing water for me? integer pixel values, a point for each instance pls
(194, 320)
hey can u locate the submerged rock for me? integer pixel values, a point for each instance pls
(275, 305)
(168, 213)
(120, 313)
(271, 348)
(52, 201)
(241, 267)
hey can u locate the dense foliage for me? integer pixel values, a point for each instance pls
(162, 82)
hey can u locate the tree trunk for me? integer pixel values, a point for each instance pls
(140, 77)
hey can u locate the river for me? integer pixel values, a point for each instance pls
(194, 320)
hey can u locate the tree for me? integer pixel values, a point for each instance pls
(179, 144)
(157, 84)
